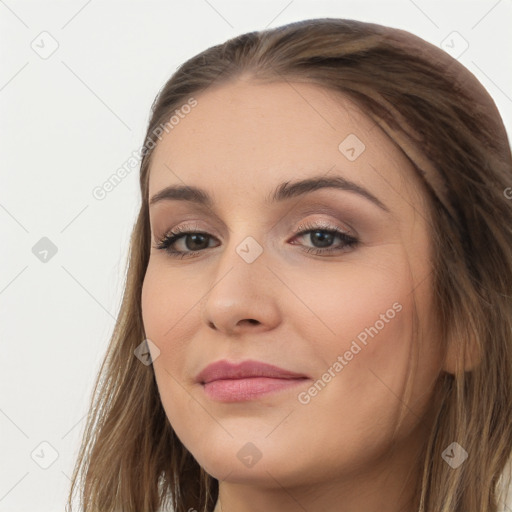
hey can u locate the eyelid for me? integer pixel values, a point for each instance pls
(311, 207)
(324, 225)
(185, 226)
(339, 221)
(340, 214)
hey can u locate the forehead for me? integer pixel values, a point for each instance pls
(249, 137)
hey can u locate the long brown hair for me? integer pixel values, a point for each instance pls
(130, 458)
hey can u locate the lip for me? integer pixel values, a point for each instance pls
(230, 382)
(222, 370)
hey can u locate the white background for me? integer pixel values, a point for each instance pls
(71, 120)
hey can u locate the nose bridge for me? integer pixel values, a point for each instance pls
(241, 290)
(246, 237)
(243, 261)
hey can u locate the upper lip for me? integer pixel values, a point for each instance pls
(226, 370)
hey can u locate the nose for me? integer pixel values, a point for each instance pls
(243, 294)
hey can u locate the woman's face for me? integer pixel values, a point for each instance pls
(247, 288)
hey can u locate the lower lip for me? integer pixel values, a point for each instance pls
(239, 390)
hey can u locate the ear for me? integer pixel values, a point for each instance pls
(463, 352)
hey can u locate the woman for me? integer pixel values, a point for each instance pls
(321, 276)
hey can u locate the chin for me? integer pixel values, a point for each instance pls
(241, 461)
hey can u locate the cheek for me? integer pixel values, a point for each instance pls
(169, 313)
(360, 332)
(166, 298)
(363, 303)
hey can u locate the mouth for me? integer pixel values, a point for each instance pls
(223, 381)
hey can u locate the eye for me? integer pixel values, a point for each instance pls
(324, 235)
(194, 242)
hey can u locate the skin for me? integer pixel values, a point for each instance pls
(299, 311)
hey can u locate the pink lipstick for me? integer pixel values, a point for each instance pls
(228, 382)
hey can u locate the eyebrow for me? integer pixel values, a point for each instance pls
(284, 191)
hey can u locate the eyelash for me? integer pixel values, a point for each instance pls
(173, 236)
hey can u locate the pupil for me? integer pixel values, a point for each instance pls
(325, 239)
(195, 238)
